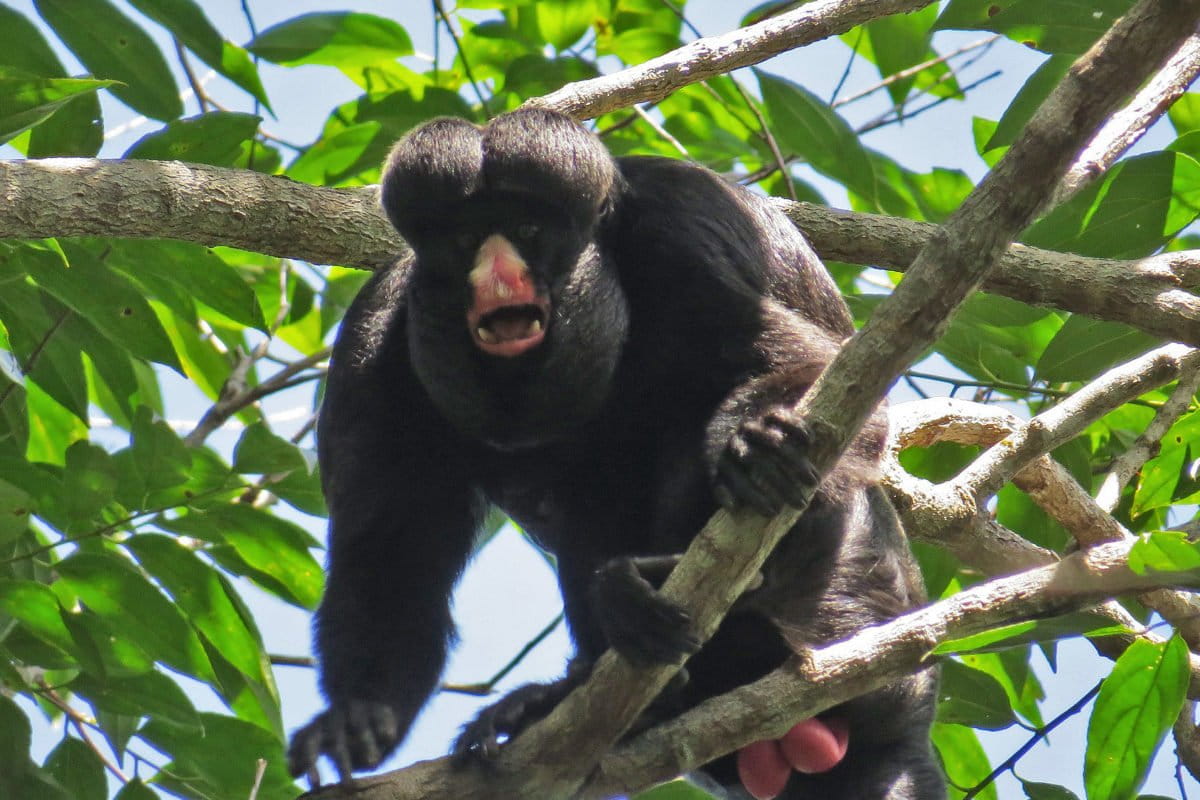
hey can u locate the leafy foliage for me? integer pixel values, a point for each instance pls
(126, 541)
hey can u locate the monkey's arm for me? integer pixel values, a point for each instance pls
(402, 520)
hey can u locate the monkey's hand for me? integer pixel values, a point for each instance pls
(355, 735)
(482, 738)
(638, 622)
(765, 464)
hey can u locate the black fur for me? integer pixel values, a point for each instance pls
(685, 319)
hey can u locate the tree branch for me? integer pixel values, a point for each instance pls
(239, 208)
(820, 680)
(716, 55)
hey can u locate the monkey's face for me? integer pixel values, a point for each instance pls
(506, 304)
(509, 309)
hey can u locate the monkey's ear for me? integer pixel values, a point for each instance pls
(430, 170)
(548, 154)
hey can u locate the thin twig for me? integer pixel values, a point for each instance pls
(80, 723)
(441, 12)
(36, 352)
(985, 43)
(892, 117)
(1039, 734)
(849, 65)
(186, 66)
(235, 395)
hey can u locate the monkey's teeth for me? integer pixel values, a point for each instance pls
(535, 327)
(485, 336)
(502, 291)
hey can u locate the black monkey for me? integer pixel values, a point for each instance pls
(607, 350)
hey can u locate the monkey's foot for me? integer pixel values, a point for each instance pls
(482, 738)
(765, 464)
(354, 735)
(638, 622)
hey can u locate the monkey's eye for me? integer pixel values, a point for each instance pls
(527, 230)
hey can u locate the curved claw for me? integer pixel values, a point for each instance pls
(480, 739)
(356, 735)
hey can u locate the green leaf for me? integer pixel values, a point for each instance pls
(15, 509)
(75, 128)
(1137, 704)
(1053, 26)
(89, 481)
(973, 697)
(642, 44)
(103, 649)
(1184, 113)
(118, 729)
(24, 46)
(805, 126)
(267, 544)
(214, 138)
(675, 790)
(221, 763)
(1085, 347)
(1036, 89)
(1022, 633)
(114, 590)
(534, 75)
(1164, 551)
(203, 364)
(36, 607)
(1135, 210)
(77, 769)
(196, 271)
(340, 156)
(20, 778)
(564, 22)
(339, 39)
(963, 757)
(29, 101)
(490, 46)
(259, 451)
(1158, 480)
(185, 19)
(52, 427)
(901, 41)
(302, 490)
(1047, 791)
(205, 597)
(108, 300)
(995, 338)
(114, 47)
(151, 695)
(136, 790)
(161, 456)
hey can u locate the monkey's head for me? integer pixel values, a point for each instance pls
(509, 297)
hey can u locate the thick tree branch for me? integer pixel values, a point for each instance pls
(822, 679)
(194, 203)
(215, 206)
(1150, 294)
(1129, 124)
(833, 674)
(716, 55)
(954, 516)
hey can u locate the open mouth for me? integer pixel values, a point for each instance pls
(509, 330)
